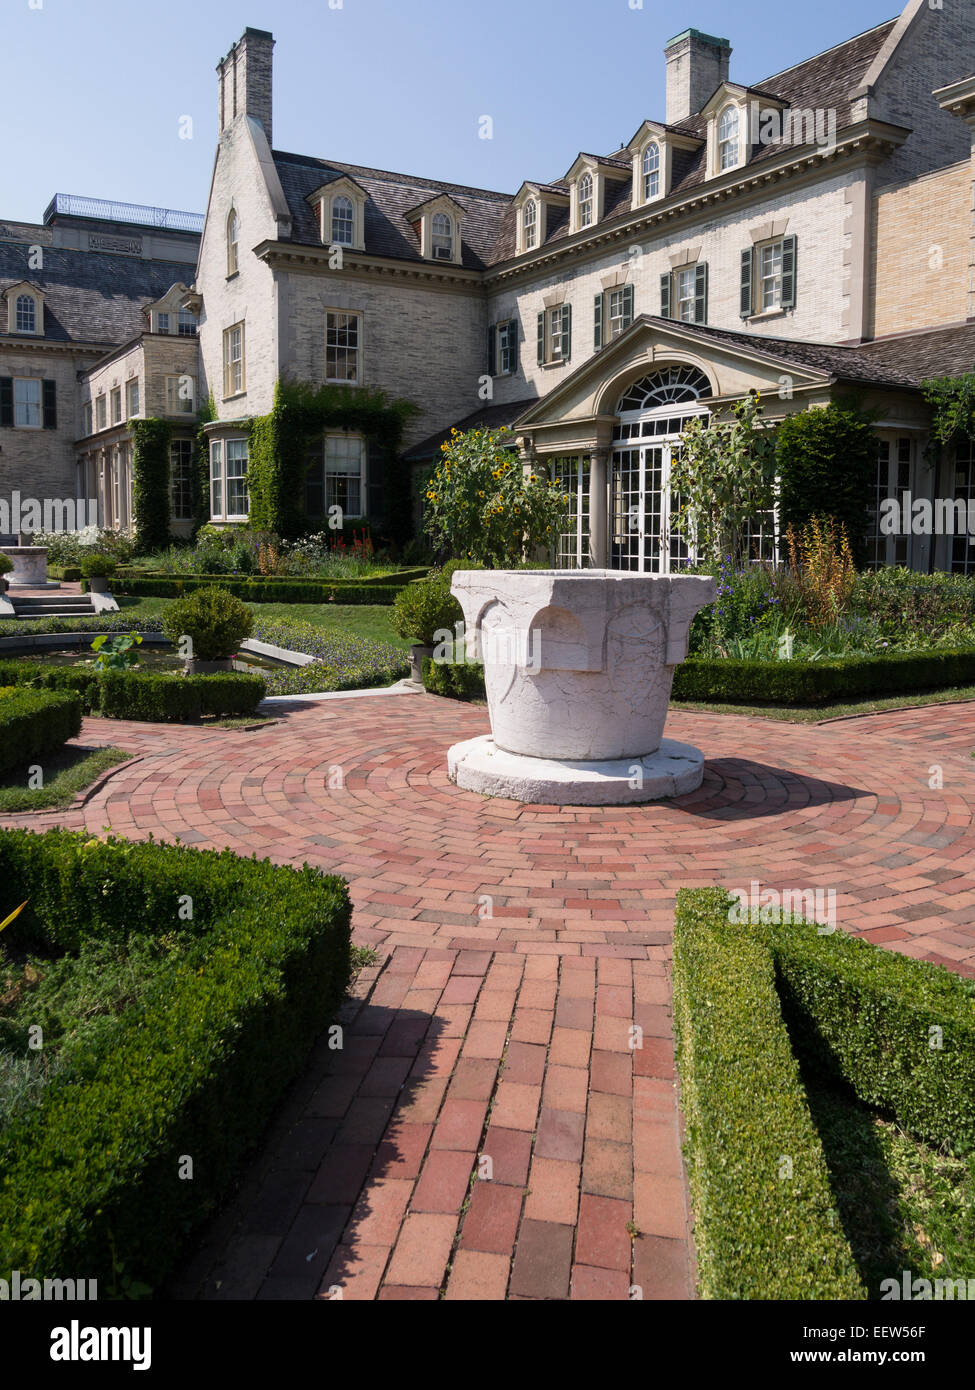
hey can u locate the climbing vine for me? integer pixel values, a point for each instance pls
(201, 473)
(151, 511)
(952, 402)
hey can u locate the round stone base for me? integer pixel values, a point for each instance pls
(478, 765)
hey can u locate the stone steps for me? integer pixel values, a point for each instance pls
(57, 606)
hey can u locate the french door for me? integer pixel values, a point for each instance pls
(644, 535)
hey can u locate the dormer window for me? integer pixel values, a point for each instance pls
(585, 200)
(26, 314)
(343, 221)
(530, 224)
(443, 237)
(728, 135)
(233, 234)
(186, 325)
(651, 172)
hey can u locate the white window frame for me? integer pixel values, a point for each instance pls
(162, 322)
(132, 394)
(216, 480)
(177, 404)
(728, 144)
(651, 172)
(585, 201)
(86, 418)
(187, 324)
(683, 276)
(27, 405)
(506, 347)
(234, 367)
(101, 412)
(769, 289)
(220, 481)
(441, 241)
(529, 225)
(233, 243)
(348, 223)
(183, 448)
(26, 299)
(554, 334)
(116, 405)
(353, 350)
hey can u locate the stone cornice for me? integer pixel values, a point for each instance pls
(286, 255)
(14, 343)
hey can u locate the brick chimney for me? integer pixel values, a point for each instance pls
(696, 64)
(244, 80)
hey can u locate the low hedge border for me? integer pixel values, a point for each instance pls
(147, 697)
(91, 1175)
(463, 681)
(66, 574)
(758, 1235)
(820, 682)
(263, 590)
(34, 723)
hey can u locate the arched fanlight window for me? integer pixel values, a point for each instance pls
(651, 171)
(670, 386)
(443, 237)
(529, 222)
(343, 221)
(585, 200)
(233, 230)
(26, 314)
(728, 138)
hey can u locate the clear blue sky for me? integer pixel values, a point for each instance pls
(397, 84)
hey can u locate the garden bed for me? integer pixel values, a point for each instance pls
(775, 1024)
(164, 1040)
(359, 591)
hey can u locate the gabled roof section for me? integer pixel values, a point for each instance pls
(441, 202)
(22, 285)
(678, 135)
(340, 183)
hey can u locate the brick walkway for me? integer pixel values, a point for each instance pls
(488, 1131)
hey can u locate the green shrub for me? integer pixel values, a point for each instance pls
(724, 680)
(215, 621)
(34, 723)
(91, 1173)
(158, 697)
(380, 590)
(67, 574)
(758, 1234)
(827, 465)
(6, 564)
(460, 681)
(97, 565)
(424, 608)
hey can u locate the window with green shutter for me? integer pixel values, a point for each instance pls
(788, 272)
(6, 400)
(541, 338)
(491, 345)
(747, 260)
(566, 332)
(701, 293)
(628, 299)
(597, 332)
(665, 296)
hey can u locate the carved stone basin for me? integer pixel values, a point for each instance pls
(30, 566)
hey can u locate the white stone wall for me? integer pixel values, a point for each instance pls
(817, 215)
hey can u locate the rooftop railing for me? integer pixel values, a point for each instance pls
(73, 205)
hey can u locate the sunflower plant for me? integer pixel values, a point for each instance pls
(483, 506)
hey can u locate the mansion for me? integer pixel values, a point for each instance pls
(810, 237)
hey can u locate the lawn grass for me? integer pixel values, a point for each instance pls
(903, 1204)
(65, 775)
(358, 620)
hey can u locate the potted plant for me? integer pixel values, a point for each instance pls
(6, 565)
(98, 568)
(423, 609)
(207, 628)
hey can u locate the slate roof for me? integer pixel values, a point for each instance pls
(489, 416)
(91, 296)
(938, 352)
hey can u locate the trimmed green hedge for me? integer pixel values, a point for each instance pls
(91, 1175)
(900, 1031)
(463, 681)
(34, 723)
(66, 574)
(153, 697)
(264, 590)
(759, 1234)
(820, 682)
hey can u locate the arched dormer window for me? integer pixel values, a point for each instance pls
(585, 200)
(233, 234)
(26, 313)
(443, 237)
(343, 221)
(529, 223)
(728, 138)
(651, 172)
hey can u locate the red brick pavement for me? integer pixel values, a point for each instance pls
(487, 1130)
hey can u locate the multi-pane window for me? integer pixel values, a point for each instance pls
(728, 138)
(117, 519)
(506, 347)
(187, 325)
(162, 323)
(132, 392)
(101, 412)
(893, 481)
(529, 222)
(651, 172)
(770, 275)
(342, 346)
(620, 304)
(181, 479)
(233, 232)
(684, 293)
(237, 503)
(686, 283)
(443, 237)
(216, 478)
(86, 418)
(180, 395)
(27, 402)
(343, 221)
(557, 334)
(585, 200)
(233, 360)
(335, 477)
(26, 314)
(117, 406)
(572, 545)
(962, 549)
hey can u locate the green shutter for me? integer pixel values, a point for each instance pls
(788, 272)
(701, 293)
(747, 258)
(566, 332)
(597, 331)
(515, 332)
(492, 348)
(665, 296)
(6, 400)
(627, 305)
(541, 338)
(50, 390)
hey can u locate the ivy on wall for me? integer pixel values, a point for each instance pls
(151, 511)
(952, 402)
(201, 474)
(279, 446)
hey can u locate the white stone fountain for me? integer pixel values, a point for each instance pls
(578, 666)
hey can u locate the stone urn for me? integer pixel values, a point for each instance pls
(30, 567)
(578, 666)
(418, 653)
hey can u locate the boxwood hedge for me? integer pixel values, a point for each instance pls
(763, 1230)
(380, 590)
(157, 697)
(34, 723)
(91, 1176)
